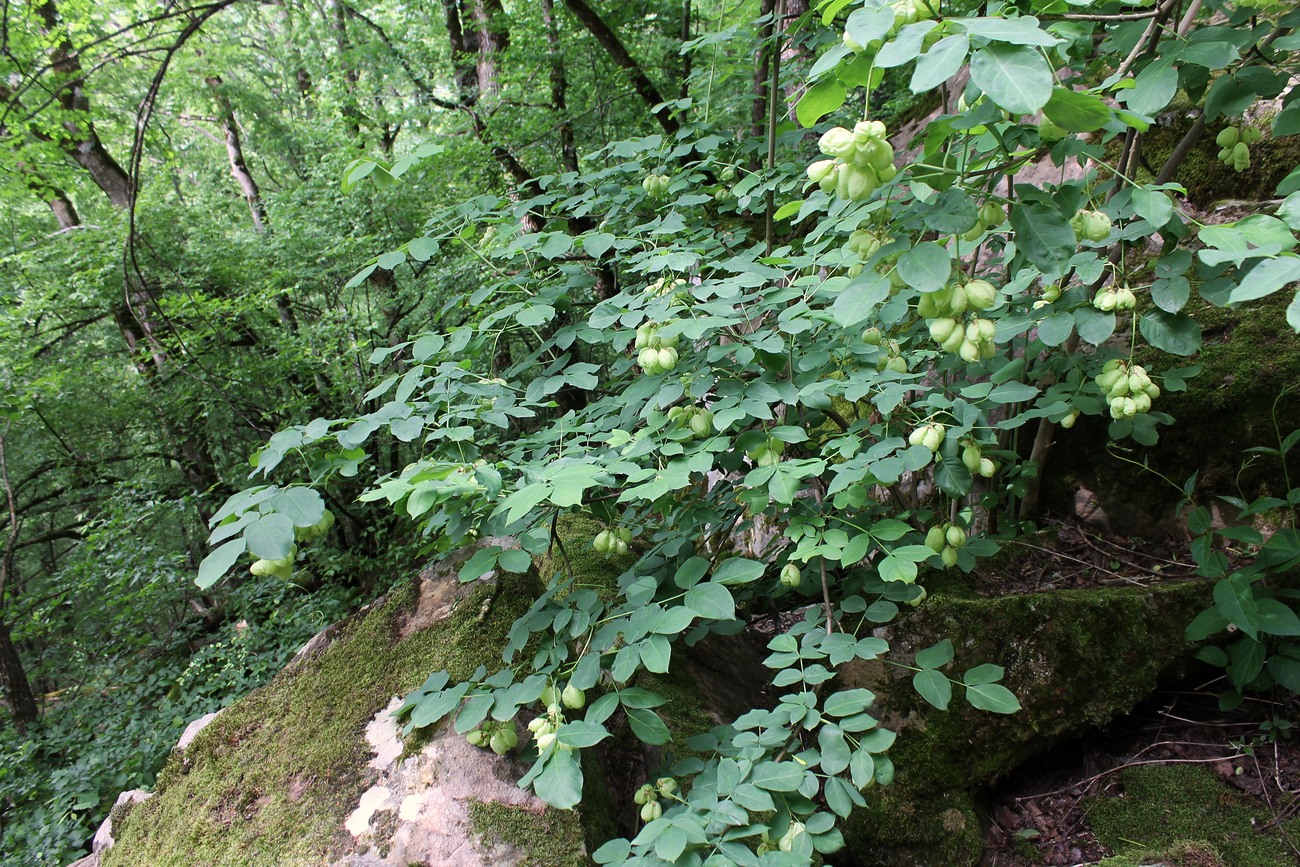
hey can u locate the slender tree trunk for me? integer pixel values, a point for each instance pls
(493, 37)
(235, 153)
(559, 88)
(64, 212)
(13, 676)
(80, 140)
(762, 70)
(617, 52)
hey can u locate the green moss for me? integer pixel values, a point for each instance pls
(593, 569)
(272, 779)
(895, 829)
(552, 838)
(1074, 658)
(1247, 362)
(1186, 813)
(1206, 178)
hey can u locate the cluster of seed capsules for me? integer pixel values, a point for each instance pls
(647, 797)
(1091, 226)
(556, 701)
(1109, 299)
(283, 567)
(614, 541)
(696, 419)
(500, 737)
(1127, 387)
(655, 353)
(991, 216)
(946, 540)
(944, 308)
(861, 160)
(1235, 144)
(891, 351)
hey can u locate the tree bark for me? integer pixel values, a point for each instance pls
(13, 676)
(81, 142)
(235, 154)
(559, 88)
(614, 47)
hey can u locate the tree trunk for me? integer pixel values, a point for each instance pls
(80, 140)
(13, 676)
(614, 47)
(559, 88)
(235, 153)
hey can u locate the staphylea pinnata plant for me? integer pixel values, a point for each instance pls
(863, 353)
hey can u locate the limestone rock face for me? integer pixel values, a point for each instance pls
(313, 770)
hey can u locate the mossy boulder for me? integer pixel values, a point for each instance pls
(311, 770)
(1185, 816)
(1075, 659)
(1241, 399)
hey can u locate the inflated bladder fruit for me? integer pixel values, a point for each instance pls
(1070, 418)
(992, 214)
(787, 841)
(910, 11)
(790, 575)
(573, 698)
(666, 787)
(645, 795)
(929, 435)
(934, 539)
(872, 336)
(767, 453)
(971, 457)
(861, 159)
(949, 556)
(1127, 388)
(477, 737)
(655, 186)
(609, 542)
(1091, 226)
(982, 295)
(651, 811)
(1110, 298)
(955, 536)
(504, 738)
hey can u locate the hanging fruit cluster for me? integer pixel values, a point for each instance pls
(655, 186)
(282, 568)
(991, 216)
(655, 354)
(612, 541)
(972, 455)
(320, 528)
(1090, 225)
(500, 737)
(1110, 298)
(697, 419)
(944, 308)
(891, 354)
(647, 797)
(861, 160)
(929, 435)
(1235, 144)
(1127, 387)
(945, 540)
(767, 453)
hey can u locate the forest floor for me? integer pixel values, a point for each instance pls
(1177, 782)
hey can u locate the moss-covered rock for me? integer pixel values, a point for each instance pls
(309, 770)
(1184, 816)
(1076, 660)
(1239, 400)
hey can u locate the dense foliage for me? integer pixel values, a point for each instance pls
(717, 304)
